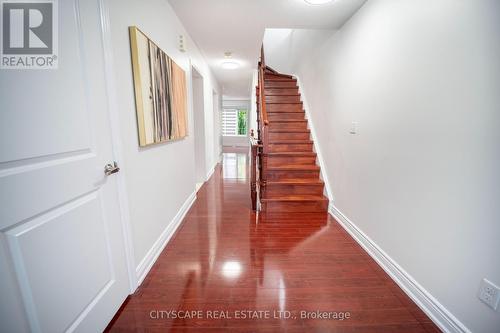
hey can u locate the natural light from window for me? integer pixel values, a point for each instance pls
(234, 122)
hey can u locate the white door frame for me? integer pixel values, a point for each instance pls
(196, 74)
(217, 115)
(113, 111)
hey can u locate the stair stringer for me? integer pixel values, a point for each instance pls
(317, 149)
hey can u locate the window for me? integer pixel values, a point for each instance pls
(234, 122)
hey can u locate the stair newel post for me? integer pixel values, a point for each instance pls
(253, 171)
(263, 161)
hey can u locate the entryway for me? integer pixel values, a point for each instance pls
(200, 158)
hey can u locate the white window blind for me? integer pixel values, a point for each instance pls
(229, 122)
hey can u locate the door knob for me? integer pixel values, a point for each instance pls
(110, 169)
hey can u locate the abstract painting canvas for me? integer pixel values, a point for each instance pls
(160, 92)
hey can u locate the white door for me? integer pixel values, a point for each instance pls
(62, 255)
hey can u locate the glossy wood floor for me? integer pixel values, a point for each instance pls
(225, 259)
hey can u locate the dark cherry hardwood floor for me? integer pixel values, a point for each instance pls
(225, 260)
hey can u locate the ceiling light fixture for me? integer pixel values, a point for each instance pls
(318, 2)
(229, 63)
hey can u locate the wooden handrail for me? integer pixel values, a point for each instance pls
(262, 91)
(262, 69)
(262, 58)
(259, 145)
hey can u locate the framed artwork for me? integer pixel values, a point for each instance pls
(160, 92)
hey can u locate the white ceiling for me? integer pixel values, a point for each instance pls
(238, 26)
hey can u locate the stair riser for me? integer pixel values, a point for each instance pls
(281, 190)
(283, 99)
(299, 160)
(272, 77)
(274, 148)
(280, 126)
(286, 116)
(292, 174)
(296, 207)
(284, 108)
(281, 91)
(276, 136)
(280, 84)
(294, 184)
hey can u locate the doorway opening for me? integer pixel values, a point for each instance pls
(200, 158)
(217, 127)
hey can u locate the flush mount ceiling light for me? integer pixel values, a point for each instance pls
(229, 63)
(318, 2)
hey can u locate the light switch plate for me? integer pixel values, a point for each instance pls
(354, 127)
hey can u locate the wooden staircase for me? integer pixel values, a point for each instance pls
(289, 178)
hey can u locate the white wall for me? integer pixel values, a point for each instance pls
(159, 179)
(285, 49)
(278, 48)
(235, 141)
(422, 79)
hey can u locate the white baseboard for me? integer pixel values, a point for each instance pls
(147, 262)
(236, 146)
(210, 173)
(431, 306)
(321, 160)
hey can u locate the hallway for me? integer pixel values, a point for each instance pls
(226, 263)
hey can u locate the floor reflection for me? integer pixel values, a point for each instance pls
(234, 166)
(227, 258)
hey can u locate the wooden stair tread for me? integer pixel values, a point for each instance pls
(279, 87)
(295, 181)
(304, 197)
(293, 167)
(274, 77)
(289, 94)
(289, 130)
(282, 91)
(291, 153)
(288, 103)
(289, 82)
(288, 121)
(285, 112)
(285, 102)
(286, 142)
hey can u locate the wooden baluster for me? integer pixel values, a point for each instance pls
(253, 171)
(264, 128)
(259, 146)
